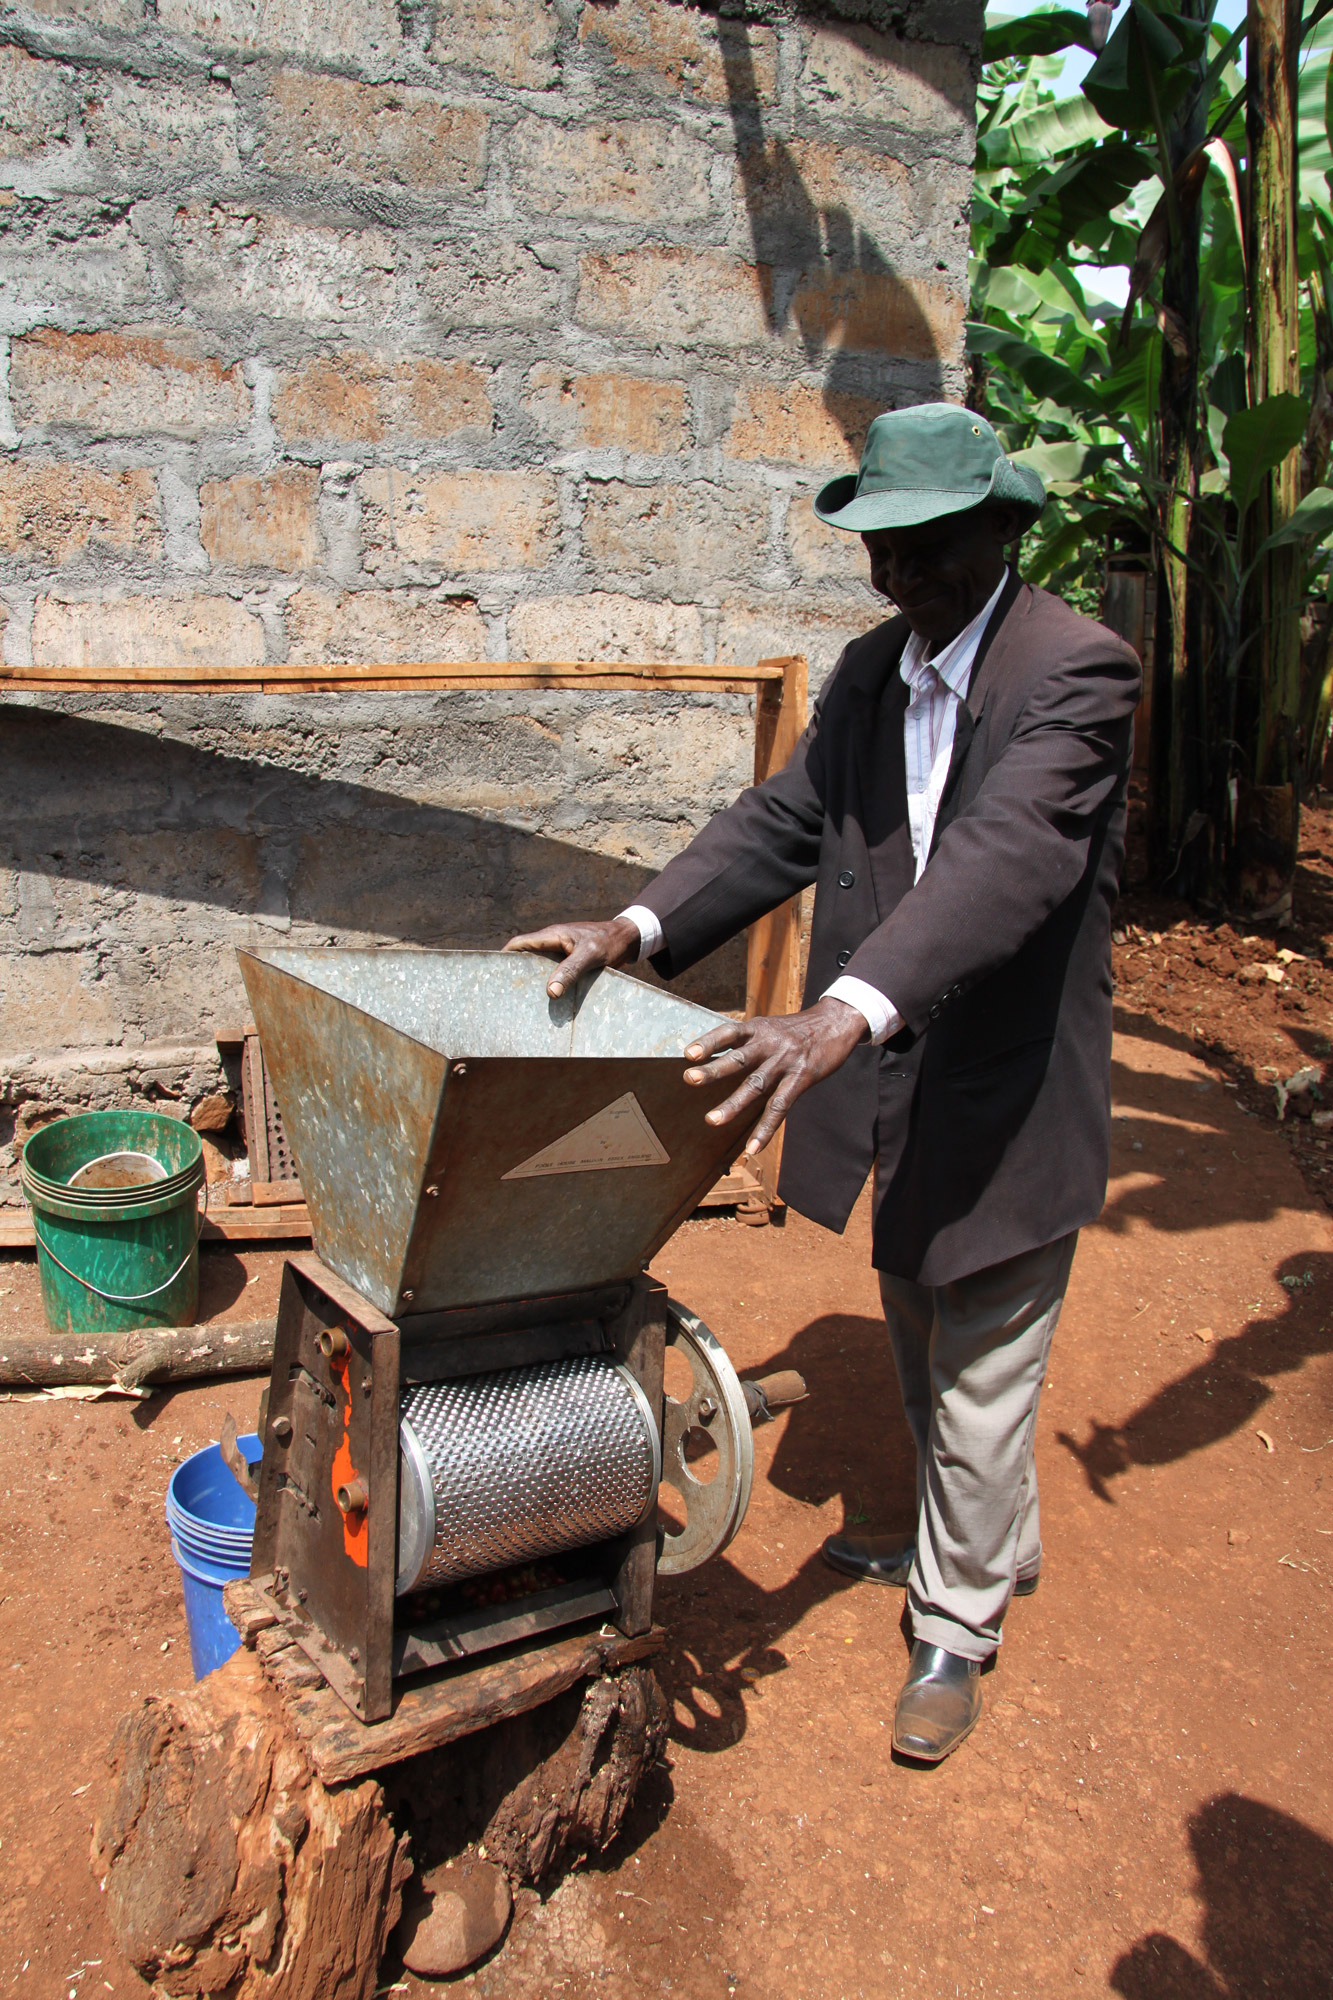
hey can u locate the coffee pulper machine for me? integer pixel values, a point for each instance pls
(467, 1423)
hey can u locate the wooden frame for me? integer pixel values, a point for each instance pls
(779, 686)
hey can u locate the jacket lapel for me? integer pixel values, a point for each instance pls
(968, 714)
(881, 768)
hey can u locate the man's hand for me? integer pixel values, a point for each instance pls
(779, 1056)
(579, 947)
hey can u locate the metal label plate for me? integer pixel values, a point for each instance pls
(618, 1135)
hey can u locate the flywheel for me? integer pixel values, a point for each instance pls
(716, 1408)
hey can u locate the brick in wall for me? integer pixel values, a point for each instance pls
(144, 135)
(852, 72)
(761, 625)
(362, 31)
(630, 170)
(609, 412)
(695, 534)
(688, 298)
(121, 385)
(682, 53)
(145, 632)
(365, 626)
(35, 103)
(877, 312)
(239, 264)
(605, 625)
(457, 522)
(356, 398)
(51, 512)
(262, 521)
(78, 264)
(483, 282)
(805, 426)
(512, 41)
(331, 128)
(820, 553)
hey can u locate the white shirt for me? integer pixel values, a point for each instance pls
(935, 687)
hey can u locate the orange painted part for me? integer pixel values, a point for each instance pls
(356, 1527)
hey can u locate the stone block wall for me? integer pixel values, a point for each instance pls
(378, 330)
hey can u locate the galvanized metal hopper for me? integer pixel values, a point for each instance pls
(463, 1138)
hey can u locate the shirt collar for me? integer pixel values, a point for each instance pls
(953, 663)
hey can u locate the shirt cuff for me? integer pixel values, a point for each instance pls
(881, 1015)
(651, 937)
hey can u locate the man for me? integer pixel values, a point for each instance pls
(958, 799)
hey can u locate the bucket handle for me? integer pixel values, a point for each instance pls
(121, 1298)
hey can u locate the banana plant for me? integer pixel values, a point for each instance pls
(1147, 420)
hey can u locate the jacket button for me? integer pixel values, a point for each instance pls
(936, 1011)
(844, 957)
(846, 879)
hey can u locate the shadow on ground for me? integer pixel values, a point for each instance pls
(1267, 1925)
(850, 1442)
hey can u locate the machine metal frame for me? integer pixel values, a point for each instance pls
(325, 1533)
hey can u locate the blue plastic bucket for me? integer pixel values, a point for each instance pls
(213, 1637)
(212, 1522)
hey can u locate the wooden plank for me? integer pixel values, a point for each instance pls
(252, 1109)
(276, 1194)
(455, 1703)
(256, 1225)
(248, 1609)
(773, 953)
(290, 1223)
(422, 674)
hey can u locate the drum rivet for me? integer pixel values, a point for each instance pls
(707, 1410)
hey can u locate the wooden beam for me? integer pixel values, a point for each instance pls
(427, 1713)
(399, 677)
(773, 958)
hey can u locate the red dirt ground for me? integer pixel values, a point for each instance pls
(1147, 1806)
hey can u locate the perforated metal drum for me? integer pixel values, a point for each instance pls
(499, 1469)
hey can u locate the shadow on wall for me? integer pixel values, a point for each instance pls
(1267, 1926)
(93, 802)
(822, 273)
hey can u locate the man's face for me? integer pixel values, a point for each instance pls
(940, 574)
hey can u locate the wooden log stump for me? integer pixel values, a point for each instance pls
(146, 1356)
(541, 1787)
(229, 1867)
(232, 1869)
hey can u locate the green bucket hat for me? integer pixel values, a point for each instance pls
(923, 462)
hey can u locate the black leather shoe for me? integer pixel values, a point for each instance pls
(938, 1706)
(888, 1559)
(871, 1558)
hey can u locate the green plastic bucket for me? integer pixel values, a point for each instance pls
(120, 1247)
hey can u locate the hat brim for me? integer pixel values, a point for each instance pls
(841, 506)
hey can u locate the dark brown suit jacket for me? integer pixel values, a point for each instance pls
(989, 1114)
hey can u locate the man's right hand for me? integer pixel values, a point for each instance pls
(581, 947)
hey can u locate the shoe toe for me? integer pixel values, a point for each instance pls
(932, 1718)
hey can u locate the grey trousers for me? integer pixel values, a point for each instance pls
(971, 1359)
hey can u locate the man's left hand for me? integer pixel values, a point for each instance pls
(779, 1056)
